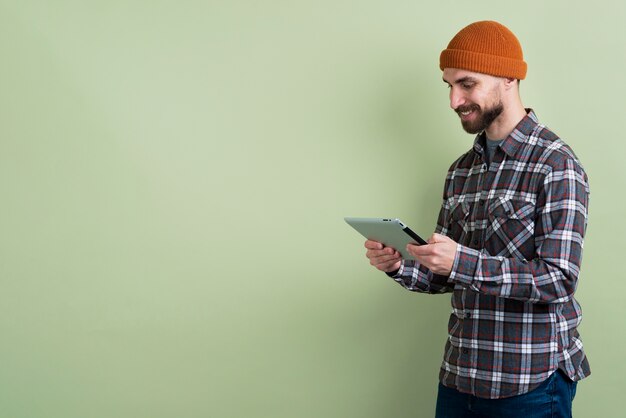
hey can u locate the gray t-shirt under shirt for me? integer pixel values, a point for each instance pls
(490, 149)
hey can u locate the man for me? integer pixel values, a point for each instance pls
(508, 244)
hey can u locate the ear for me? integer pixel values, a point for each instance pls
(509, 83)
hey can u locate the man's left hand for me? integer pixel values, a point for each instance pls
(437, 255)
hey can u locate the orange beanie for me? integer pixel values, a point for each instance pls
(485, 47)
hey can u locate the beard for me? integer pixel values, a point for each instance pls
(483, 118)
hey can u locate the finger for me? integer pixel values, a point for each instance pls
(389, 250)
(373, 245)
(385, 250)
(439, 238)
(419, 250)
(391, 257)
(432, 239)
(379, 253)
(385, 259)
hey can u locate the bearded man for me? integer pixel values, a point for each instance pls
(508, 244)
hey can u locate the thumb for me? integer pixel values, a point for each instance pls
(435, 238)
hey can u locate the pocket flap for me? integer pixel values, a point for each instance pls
(511, 208)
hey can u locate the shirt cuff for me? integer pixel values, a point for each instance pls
(464, 267)
(398, 273)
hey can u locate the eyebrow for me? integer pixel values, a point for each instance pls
(461, 80)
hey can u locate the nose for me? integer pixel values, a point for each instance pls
(456, 98)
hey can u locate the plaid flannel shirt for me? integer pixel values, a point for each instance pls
(520, 225)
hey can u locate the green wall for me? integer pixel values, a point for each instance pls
(173, 178)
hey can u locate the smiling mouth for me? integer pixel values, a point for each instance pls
(465, 112)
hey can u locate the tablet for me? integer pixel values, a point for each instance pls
(391, 232)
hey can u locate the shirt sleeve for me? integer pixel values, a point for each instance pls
(560, 224)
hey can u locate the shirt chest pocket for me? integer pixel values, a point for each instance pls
(511, 227)
(459, 221)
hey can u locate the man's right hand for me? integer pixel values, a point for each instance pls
(383, 258)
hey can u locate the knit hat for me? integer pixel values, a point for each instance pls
(485, 47)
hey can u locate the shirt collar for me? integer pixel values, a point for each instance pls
(516, 138)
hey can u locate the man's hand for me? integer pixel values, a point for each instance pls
(438, 255)
(383, 258)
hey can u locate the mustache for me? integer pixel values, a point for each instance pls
(467, 108)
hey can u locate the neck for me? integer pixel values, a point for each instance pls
(507, 121)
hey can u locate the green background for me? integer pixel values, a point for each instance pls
(174, 177)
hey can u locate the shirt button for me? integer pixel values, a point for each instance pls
(468, 314)
(475, 242)
(465, 351)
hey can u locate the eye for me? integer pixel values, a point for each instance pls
(467, 86)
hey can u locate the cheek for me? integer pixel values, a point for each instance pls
(481, 100)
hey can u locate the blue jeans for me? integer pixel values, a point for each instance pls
(552, 399)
